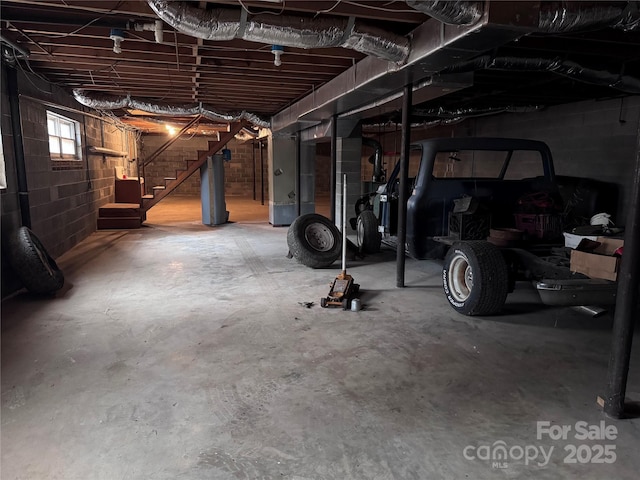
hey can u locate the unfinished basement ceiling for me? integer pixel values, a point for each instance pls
(69, 44)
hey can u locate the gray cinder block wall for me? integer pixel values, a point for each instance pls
(239, 173)
(64, 196)
(591, 139)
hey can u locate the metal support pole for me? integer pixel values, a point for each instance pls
(344, 224)
(298, 182)
(253, 157)
(334, 163)
(626, 302)
(403, 174)
(18, 146)
(261, 175)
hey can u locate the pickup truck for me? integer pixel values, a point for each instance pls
(494, 209)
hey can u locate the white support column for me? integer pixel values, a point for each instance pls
(281, 154)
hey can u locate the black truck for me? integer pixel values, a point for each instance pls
(495, 210)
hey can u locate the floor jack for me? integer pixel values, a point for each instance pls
(343, 289)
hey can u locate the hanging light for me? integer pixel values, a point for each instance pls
(277, 50)
(117, 36)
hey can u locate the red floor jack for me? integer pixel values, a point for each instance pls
(343, 289)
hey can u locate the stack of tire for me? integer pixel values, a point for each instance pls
(30, 261)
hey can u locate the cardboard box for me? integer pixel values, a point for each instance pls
(572, 240)
(599, 262)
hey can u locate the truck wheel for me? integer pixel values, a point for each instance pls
(475, 278)
(32, 264)
(369, 239)
(314, 240)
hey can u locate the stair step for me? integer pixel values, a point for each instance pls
(159, 187)
(169, 179)
(118, 222)
(128, 210)
(148, 197)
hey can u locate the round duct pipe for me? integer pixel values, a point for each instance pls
(286, 30)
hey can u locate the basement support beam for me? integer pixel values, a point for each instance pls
(626, 302)
(404, 181)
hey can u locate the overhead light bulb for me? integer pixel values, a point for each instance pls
(277, 50)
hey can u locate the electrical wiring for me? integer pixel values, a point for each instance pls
(118, 5)
(328, 9)
(382, 9)
(27, 76)
(265, 11)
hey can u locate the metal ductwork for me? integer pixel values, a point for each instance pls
(473, 112)
(112, 102)
(578, 15)
(554, 17)
(289, 31)
(624, 83)
(451, 13)
(375, 159)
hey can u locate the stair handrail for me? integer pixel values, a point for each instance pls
(170, 142)
(226, 137)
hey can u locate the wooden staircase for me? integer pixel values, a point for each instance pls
(171, 183)
(131, 215)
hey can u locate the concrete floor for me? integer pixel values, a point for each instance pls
(180, 351)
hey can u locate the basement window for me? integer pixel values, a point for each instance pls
(64, 138)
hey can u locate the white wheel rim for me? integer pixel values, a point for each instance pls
(460, 279)
(319, 237)
(360, 231)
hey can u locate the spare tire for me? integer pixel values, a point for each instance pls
(369, 238)
(314, 240)
(475, 278)
(35, 268)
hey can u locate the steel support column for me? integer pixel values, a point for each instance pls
(626, 302)
(403, 174)
(297, 184)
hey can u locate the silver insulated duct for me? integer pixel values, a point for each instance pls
(567, 68)
(573, 16)
(289, 31)
(452, 13)
(554, 17)
(112, 102)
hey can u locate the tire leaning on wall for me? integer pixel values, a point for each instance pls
(35, 268)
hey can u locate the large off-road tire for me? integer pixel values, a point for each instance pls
(32, 264)
(475, 278)
(369, 238)
(314, 240)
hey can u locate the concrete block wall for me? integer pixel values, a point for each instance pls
(64, 197)
(239, 173)
(592, 139)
